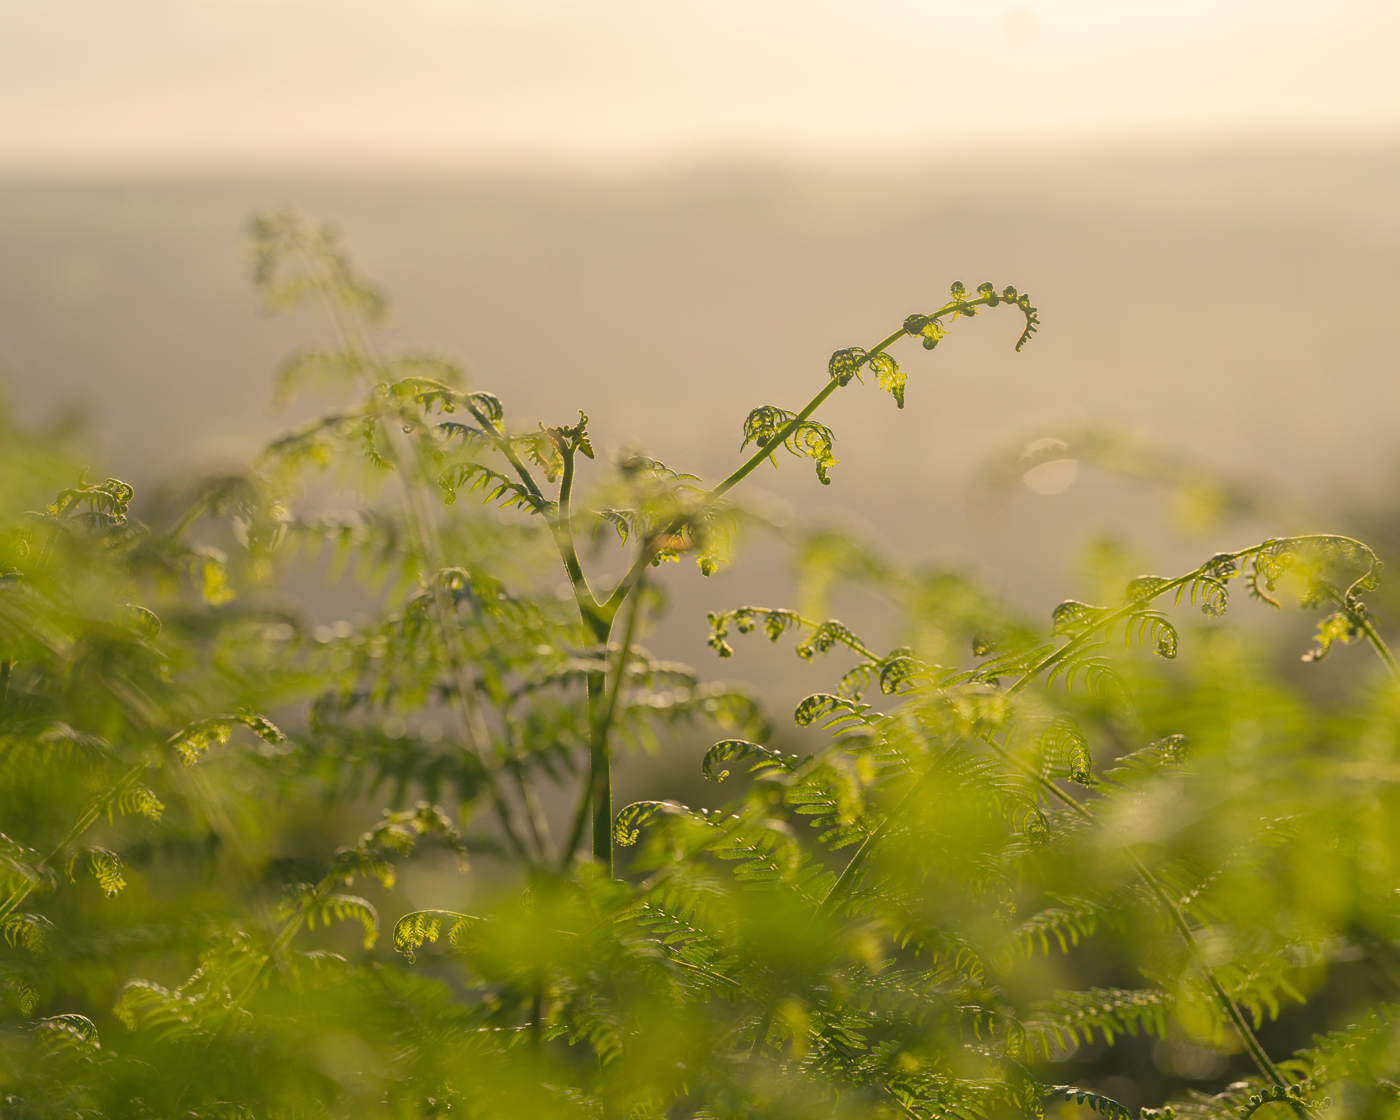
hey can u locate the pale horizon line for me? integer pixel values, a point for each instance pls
(836, 156)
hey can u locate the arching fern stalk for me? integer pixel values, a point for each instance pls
(876, 806)
(657, 511)
(1116, 825)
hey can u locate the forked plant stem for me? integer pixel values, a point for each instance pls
(599, 616)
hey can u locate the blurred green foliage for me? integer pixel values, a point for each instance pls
(1113, 861)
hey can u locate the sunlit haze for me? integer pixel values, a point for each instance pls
(253, 83)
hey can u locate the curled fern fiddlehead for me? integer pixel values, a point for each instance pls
(766, 760)
(809, 438)
(414, 929)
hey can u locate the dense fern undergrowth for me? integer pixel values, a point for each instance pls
(1110, 860)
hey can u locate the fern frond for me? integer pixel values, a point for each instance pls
(764, 855)
(624, 521)
(775, 621)
(1073, 618)
(629, 821)
(66, 1032)
(1297, 1096)
(1162, 756)
(107, 504)
(140, 800)
(767, 762)
(1097, 672)
(30, 932)
(1260, 982)
(316, 367)
(830, 633)
(493, 486)
(1066, 924)
(106, 868)
(834, 797)
(1014, 662)
(192, 742)
(342, 908)
(294, 260)
(889, 377)
(834, 712)
(1064, 746)
(1097, 1102)
(22, 868)
(1152, 627)
(1072, 1019)
(414, 929)
(1208, 588)
(809, 438)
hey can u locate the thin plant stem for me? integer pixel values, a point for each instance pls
(600, 764)
(1378, 644)
(1106, 624)
(649, 550)
(534, 813)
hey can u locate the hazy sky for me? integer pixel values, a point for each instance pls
(240, 83)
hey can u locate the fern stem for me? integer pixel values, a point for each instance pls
(649, 550)
(1378, 644)
(563, 528)
(600, 767)
(534, 812)
(1232, 1011)
(784, 433)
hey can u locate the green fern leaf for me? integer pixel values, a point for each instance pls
(106, 867)
(1072, 1019)
(628, 823)
(832, 711)
(1161, 756)
(830, 633)
(66, 1032)
(426, 926)
(767, 762)
(815, 441)
(30, 932)
(889, 377)
(345, 908)
(140, 800)
(1073, 617)
(1106, 1106)
(1063, 744)
(191, 743)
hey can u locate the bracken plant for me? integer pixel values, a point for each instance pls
(1005, 854)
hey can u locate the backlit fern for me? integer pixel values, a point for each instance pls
(899, 918)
